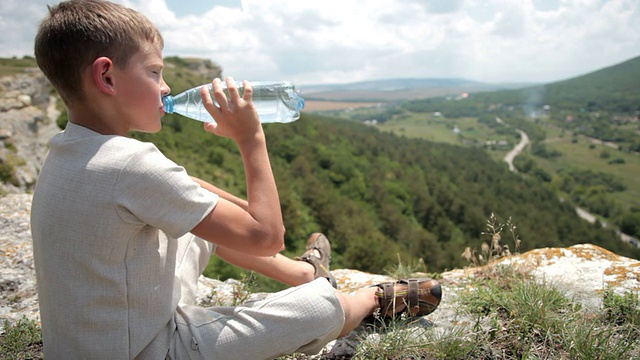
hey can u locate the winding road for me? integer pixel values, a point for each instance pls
(524, 141)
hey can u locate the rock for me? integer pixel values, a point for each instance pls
(27, 122)
(18, 296)
(24, 99)
(580, 271)
(204, 67)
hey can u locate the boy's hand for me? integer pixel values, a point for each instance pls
(236, 117)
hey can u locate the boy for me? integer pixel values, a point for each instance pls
(121, 233)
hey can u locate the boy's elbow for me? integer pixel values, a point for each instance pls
(277, 243)
(273, 242)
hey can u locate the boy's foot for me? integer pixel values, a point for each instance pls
(318, 254)
(418, 297)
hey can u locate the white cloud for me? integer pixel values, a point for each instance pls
(353, 40)
(18, 23)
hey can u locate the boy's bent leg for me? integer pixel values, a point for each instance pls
(278, 267)
(312, 264)
(301, 319)
(192, 257)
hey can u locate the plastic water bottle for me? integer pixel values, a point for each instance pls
(275, 102)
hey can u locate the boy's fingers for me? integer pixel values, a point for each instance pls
(207, 101)
(248, 90)
(210, 127)
(232, 89)
(219, 95)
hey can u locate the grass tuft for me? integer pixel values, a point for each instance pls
(21, 340)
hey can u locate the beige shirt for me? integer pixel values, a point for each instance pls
(106, 213)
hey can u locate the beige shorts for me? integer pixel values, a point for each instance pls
(301, 319)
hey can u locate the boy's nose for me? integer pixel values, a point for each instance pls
(166, 90)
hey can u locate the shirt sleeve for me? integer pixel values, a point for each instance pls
(153, 190)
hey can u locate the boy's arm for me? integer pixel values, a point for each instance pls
(256, 229)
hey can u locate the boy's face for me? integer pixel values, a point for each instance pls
(140, 90)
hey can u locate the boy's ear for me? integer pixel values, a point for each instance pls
(102, 75)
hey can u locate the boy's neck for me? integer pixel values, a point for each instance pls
(93, 119)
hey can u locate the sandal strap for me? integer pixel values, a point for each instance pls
(388, 295)
(413, 296)
(318, 254)
(314, 260)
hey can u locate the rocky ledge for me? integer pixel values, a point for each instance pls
(28, 114)
(581, 271)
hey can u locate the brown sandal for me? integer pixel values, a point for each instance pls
(318, 254)
(421, 296)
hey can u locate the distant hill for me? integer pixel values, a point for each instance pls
(614, 88)
(393, 84)
(399, 89)
(589, 101)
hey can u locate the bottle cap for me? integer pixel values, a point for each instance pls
(167, 104)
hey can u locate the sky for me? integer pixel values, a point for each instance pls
(343, 41)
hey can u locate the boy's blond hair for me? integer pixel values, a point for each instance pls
(76, 32)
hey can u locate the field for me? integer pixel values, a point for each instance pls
(583, 154)
(459, 131)
(324, 105)
(441, 129)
